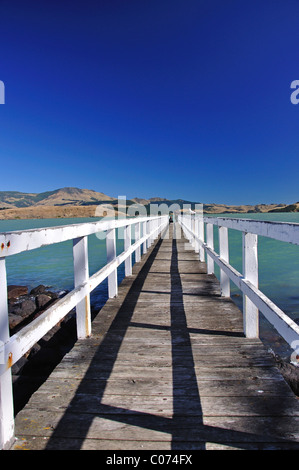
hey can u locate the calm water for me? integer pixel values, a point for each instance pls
(53, 266)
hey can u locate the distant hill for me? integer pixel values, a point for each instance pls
(214, 208)
(289, 208)
(224, 209)
(65, 202)
(58, 197)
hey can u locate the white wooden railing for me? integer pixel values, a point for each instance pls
(196, 228)
(12, 348)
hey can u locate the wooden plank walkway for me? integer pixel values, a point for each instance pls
(167, 367)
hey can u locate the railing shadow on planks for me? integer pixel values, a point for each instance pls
(12, 348)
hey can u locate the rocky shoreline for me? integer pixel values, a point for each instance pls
(37, 364)
(24, 305)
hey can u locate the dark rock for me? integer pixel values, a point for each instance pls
(18, 366)
(290, 373)
(13, 292)
(49, 336)
(34, 350)
(53, 295)
(38, 290)
(14, 320)
(42, 300)
(24, 308)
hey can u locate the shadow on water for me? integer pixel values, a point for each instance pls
(185, 427)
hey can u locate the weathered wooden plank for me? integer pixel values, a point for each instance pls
(161, 405)
(69, 370)
(167, 385)
(146, 427)
(202, 353)
(108, 445)
(164, 338)
(166, 360)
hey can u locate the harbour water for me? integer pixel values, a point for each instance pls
(53, 266)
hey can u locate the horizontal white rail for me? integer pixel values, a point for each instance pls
(253, 299)
(12, 348)
(15, 242)
(283, 231)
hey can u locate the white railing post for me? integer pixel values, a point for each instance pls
(161, 225)
(154, 230)
(127, 244)
(224, 254)
(210, 244)
(250, 273)
(81, 275)
(193, 225)
(144, 232)
(189, 224)
(196, 232)
(201, 236)
(137, 237)
(165, 223)
(6, 393)
(111, 255)
(149, 226)
(156, 226)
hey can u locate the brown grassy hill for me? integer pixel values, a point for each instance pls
(63, 196)
(53, 212)
(223, 208)
(290, 208)
(73, 196)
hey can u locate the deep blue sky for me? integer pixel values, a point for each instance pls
(172, 98)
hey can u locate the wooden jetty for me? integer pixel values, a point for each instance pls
(167, 366)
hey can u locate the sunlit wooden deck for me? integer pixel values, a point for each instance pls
(167, 367)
